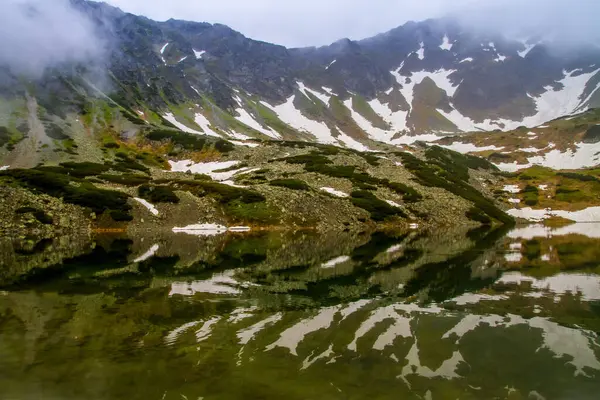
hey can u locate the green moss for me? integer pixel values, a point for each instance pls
(158, 194)
(293, 184)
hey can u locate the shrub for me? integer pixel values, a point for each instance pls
(258, 212)
(81, 170)
(564, 193)
(437, 177)
(53, 131)
(59, 186)
(224, 193)
(127, 179)
(475, 214)
(578, 177)
(120, 216)
(232, 168)
(43, 218)
(530, 195)
(158, 194)
(409, 194)
(379, 209)
(190, 141)
(293, 184)
(532, 249)
(40, 215)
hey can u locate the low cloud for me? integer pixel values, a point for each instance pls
(318, 22)
(564, 23)
(39, 34)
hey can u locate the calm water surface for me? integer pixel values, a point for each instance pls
(295, 315)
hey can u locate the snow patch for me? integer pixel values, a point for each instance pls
(421, 52)
(469, 147)
(217, 284)
(393, 204)
(199, 54)
(292, 336)
(246, 144)
(590, 214)
(146, 204)
(204, 123)
(208, 168)
(364, 124)
(351, 143)
(202, 229)
(511, 189)
(555, 103)
(586, 284)
(147, 254)
(247, 119)
(468, 59)
(334, 192)
(446, 45)
(305, 90)
(289, 114)
(245, 336)
(591, 230)
(528, 48)
(474, 298)
(336, 261)
(4, 168)
(330, 64)
(397, 120)
(513, 257)
(171, 118)
(585, 155)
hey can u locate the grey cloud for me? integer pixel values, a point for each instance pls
(320, 22)
(296, 23)
(37, 34)
(564, 23)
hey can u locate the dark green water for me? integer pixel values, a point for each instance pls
(284, 315)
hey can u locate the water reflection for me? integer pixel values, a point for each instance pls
(269, 315)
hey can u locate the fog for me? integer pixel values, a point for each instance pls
(316, 22)
(37, 34)
(562, 23)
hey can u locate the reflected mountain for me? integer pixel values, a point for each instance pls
(269, 315)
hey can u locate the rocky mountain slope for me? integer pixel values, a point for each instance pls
(197, 116)
(420, 79)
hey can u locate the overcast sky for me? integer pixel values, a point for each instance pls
(297, 22)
